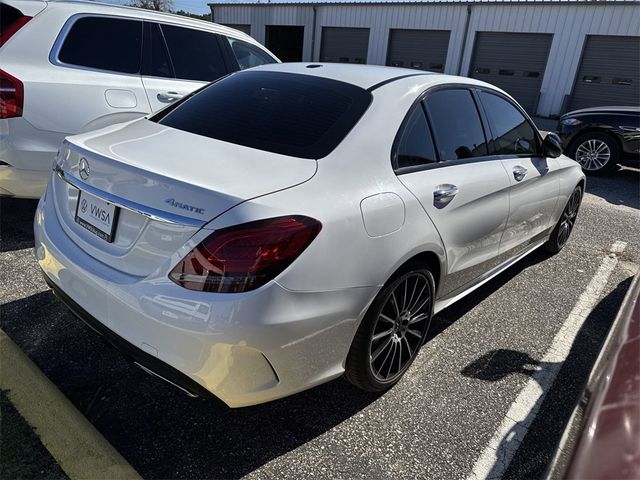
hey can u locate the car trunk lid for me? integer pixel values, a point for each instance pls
(165, 183)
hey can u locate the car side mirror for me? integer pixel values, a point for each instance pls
(552, 145)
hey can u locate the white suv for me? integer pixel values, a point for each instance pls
(70, 67)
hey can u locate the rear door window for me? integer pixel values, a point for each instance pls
(249, 55)
(456, 124)
(415, 147)
(104, 43)
(296, 115)
(512, 132)
(155, 58)
(195, 54)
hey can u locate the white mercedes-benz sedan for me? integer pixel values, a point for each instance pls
(289, 224)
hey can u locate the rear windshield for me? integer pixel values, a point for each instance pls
(296, 115)
(8, 15)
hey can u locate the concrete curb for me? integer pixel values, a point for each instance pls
(80, 450)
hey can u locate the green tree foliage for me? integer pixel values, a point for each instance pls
(157, 5)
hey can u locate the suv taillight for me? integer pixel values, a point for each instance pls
(245, 257)
(11, 96)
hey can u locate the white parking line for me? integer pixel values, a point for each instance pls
(495, 458)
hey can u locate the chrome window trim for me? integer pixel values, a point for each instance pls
(62, 35)
(174, 79)
(149, 212)
(472, 88)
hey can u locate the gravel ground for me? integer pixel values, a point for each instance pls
(433, 424)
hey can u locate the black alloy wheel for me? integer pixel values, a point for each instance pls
(564, 227)
(392, 332)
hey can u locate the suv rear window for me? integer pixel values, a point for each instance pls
(104, 43)
(291, 114)
(8, 15)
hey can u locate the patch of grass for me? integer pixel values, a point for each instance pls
(22, 455)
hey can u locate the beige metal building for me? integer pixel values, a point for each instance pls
(552, 56)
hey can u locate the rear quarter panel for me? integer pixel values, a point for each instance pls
(345, 255)
(569, 175)
(65, 99)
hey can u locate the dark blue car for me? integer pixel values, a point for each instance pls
(599, 138)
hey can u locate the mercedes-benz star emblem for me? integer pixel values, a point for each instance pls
(83, 205)
(83, 168)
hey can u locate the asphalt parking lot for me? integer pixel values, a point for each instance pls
(434, 424)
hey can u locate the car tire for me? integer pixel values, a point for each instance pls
(597, 153)
(392, 331)
(562, 231)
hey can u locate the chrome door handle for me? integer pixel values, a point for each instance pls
(519, 172)
(169, 96)
(443, 194)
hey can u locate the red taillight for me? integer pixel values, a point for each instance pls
(245, 257)
(11, 96)
(16, 25)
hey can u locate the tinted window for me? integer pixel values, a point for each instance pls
(415, 146)
(456, 124)
(195, 54)
(297, 115)
(105, 43)
(249, 55)
(512, 133)
(155, 60)
(8, 15)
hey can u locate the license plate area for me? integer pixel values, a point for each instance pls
(96, 215)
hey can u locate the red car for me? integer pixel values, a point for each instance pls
(608, 441)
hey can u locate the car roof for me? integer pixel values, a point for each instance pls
(372, 77)
(82, 6)
(613, 110)
(364, 76)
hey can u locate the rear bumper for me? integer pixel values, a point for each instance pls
(27, 155)
(19, 183)
(137, 355)
(245, 348)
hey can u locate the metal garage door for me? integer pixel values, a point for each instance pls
(344, 45)
(421, 49)
(609, 73)
(514, 62)
(286, 41)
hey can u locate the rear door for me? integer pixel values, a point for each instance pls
(178, 60)
(462, 189)
(96, 80)
(534, 188)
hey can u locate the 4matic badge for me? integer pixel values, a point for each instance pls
(184, 206)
